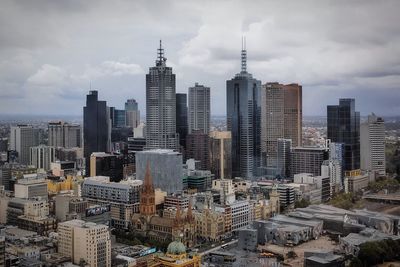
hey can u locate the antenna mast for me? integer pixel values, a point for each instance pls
(244, 55)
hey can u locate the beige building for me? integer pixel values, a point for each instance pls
(84, 241)
(30, 187)
(355, 180)
(220, 154)
(210, 224)
(225, 186)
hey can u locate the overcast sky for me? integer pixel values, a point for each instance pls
(51, 51)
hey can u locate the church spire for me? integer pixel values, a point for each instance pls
(147, 197)
(189, 215)
(148, 180)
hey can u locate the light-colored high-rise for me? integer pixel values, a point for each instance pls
(161, 106)
(22, 138)
(41, 156)
(132, 114)
(220, 154)
(85, 241)
(199, 108)
(62, 134)
(281, 117)
(372, 145)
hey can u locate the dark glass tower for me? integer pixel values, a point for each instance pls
(344, 127)
(96, 127)
(161, 106)
(244, 122)
(181, 118)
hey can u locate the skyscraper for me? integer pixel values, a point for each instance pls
(284, 147)
(132, 113)
(197, 148)
(161, 105)
(41, 156)
(96, 127)
(344, 127)
(199, 108)
(244, 121)
(62, 134)
(372, 145)
(22, 138)
(181, 118)
(281, 117)
(220, 154)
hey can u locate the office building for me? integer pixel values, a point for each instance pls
(307, 160)
(244, 121)
(71, 154)
(240, 212)
(283, 157)
(161, 106)
(104, 164)
(286, 196)
(132, 113)
(220, 154)
(281, 116)
(182, 127)
(166, 168)
(5, 177)
(96, 127)
(197, 148)
(199, 108)
(344, 127)
(42, 156)
(62, 134)
(123, 197)
(85, 242)
(355, 181)
(333, 169)
(22, 138)
(118, 118)
(31, 187)
(372, 145)
(199, 180)
(2, 251)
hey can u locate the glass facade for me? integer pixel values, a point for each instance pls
(344, 127)
(181, 118)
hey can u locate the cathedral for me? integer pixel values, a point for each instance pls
(155, 227)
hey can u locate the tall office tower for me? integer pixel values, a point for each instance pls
(197, 148)
(182, 118)
(119, 119)
(199, 108)
(104, 164)
(22, 138)
(372, 145)
(307, 160)
(85, 241)
(96, 127)
(220, 154)
(41, 156)
(5, 177)
(62, 134)
(161, 106)
(132, 113)
(283, 157)
(281, 117)
(344, 127)
(165, 166)
(244, 121)
(333, 169)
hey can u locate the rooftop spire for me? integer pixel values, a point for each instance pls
(244, 55)
(148, 180)
(160, 55)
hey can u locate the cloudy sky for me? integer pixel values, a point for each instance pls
(51, 51)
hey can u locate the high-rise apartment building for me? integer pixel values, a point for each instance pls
(281, 117)
(199, 108)
(41, 156)
(244, 121)
(197, 148)
(344, 127)
(308, 160)
(166, 168)
(182, 127)
(161, 106)
(220, 154)
(62, 134)
(85, 242)
(22, 138)
(132, 113)
(372, 145)
(96, 127)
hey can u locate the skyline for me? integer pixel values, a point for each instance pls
(47, 63)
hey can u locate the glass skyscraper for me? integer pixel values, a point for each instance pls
(181, 118)
(344, 127)
(161, 106)
(96, 127)
(244, 122)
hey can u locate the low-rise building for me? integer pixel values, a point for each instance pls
(355, 180)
